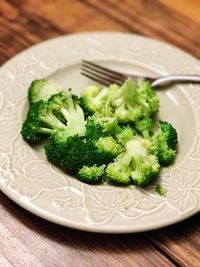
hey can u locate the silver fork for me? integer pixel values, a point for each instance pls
(107, 76)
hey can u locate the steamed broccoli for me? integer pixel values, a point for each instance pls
(109, 145)
(127, 103)
(125, 134)
(145, 126)
(74, 152)
(95, 100)
(136, 164)
(41, 118)
(97, 127)
(91, 174)
(106, 133)
(164, 139)
(165, 142)
(134, 101)
(42, 90)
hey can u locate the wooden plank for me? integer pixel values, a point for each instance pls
(180, 242)
(154, 19)
(188, 8)
(58, 246)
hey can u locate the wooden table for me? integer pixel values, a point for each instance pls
(26, 240)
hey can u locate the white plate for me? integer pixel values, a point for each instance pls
(29, 180)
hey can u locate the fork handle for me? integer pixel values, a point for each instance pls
(164, 80)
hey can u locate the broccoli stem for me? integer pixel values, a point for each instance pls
(44, 130)
(53, 122)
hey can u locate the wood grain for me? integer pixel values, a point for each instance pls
(30, 241)
(58, 246)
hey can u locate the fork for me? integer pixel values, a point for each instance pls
(107, 76)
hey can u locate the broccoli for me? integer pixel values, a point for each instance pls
(91, 174)
(119, 171)
(74, 152)
(106, 134)
(127, 103)
(165, 142)
(125, 134)
(97, 127)
(41, 118)
(164, 139)
(71, 153)
(136, 164)
(160, 190)
(42, 90)
(144, 126)
(109, 145)
(132, 102)
(95, 100)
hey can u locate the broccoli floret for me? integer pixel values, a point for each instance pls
(39, 121)
(70, 153)
(97, 127)
(42, 90)
(134, 101)
(127, 103)
(91, 174)
(147, 98)
(95, 100)
(74, 152)
(144, 126)
(165, 141)
(125, 134)
(137, 164)
(119, 172)
(160, 190)
(41, 118)
(110, 146)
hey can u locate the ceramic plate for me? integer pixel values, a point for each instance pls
(29, 180)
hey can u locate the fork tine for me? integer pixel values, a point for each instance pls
(98, 79)
(103, 70)
(102, 76)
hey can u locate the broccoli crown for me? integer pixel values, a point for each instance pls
(125, 134)
(147, 97)
(109, 145)
(127, 103)
(132, 102)
(97, 127)
(45, 117)
(137, 164)
(165, 142)
(119, 171)
(144, 126)
(95, 100)
(73, 152)
(91, 174)
(42, 90)
(39, 121)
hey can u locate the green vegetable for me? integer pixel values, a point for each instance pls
(91, 174)
(127, 103)
(42, 90)
(74, 152)
(97, 127)
(136, 165)
(42, 118)
(165, 142)
(105, 135)
(160, 190)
